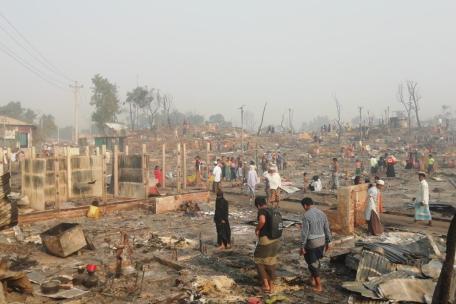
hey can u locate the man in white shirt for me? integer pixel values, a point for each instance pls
(316, 185)
(275, 182)
(422, 212)
(371, 213)
(252, 181)
(217, 173)
(373, 165)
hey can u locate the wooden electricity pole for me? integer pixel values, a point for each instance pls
(184, 165)
(76, 87)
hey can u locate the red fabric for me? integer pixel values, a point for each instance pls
(153, 191)
(158, 176)
(391, 160)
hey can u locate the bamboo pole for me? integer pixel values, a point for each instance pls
(208, 148)
(178, 169)
(115, 170)
(184, 165)
(57, 182)
(164, 165)
(68, 172)
(103, 170)
(145, 166)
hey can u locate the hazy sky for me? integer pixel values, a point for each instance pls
(214, 56)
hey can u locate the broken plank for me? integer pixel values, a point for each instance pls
(168, 263)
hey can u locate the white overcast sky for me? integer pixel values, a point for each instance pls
(214, 56)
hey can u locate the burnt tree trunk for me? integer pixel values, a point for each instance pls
(262, 117)
(442, 290)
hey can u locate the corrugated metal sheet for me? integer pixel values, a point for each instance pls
(361, 289)
(373, 265)
(12, 121)
(374, 282)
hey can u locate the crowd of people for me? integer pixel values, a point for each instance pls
(315, 229)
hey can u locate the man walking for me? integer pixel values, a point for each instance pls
(430, 167)
(217, 172)
(315, 237)
(422, 212)
(268, 246)
(252, 181)
(275, 182)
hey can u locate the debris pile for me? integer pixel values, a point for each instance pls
(395, 267)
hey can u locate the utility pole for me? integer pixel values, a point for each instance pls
(388, 119)
(360, 123)
(76, 87)
(242, 130)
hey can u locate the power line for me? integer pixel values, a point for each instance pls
(28, 66)
(30, 53)
(44, 60)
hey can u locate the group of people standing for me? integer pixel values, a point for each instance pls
(273, 158)
(315, 231)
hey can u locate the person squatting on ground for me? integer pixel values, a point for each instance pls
(269, 233)
(221, 221)
(315, 237)
(422, 212)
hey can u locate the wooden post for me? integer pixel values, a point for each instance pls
(2, 166)
(68, 172)
(178, 169)
(115, 170)
(208, 148)
(126, 149)
(32, 153)
(9, 154)
(164, 165)
(97, 151)
(184, 165)
(86, 151)
(103, 170)
(145, 170)
(57, 182)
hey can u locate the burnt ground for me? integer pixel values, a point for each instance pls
(180, 233)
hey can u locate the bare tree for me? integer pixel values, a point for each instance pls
(339, 119)
(415, 97)
(408, 105)
(281, 122)
(262, 118)
(166, 102)
(152, 108)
